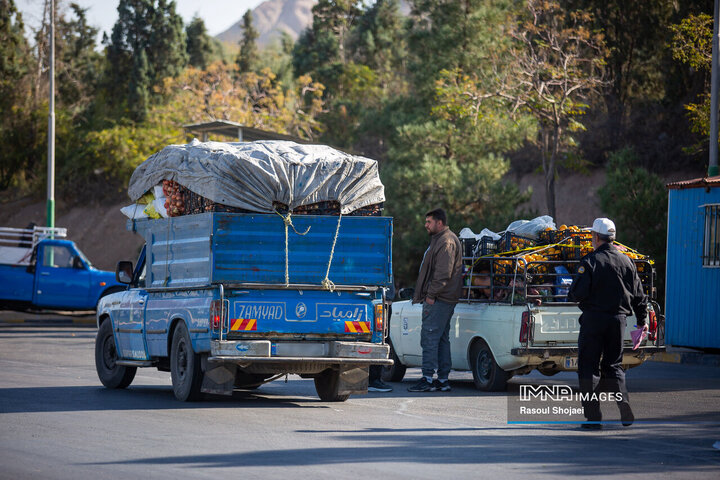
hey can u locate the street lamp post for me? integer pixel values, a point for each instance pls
(51, 124)
(713, 164)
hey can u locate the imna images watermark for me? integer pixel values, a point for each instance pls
(553, 404)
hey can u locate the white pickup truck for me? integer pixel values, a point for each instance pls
(523, 326)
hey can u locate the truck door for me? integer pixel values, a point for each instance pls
(57, 282)
(130, 328)
(410, 327)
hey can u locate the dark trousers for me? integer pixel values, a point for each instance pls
(600, 353)
(375, 372)
(435, 339)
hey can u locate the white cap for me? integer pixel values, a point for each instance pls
(604, 226)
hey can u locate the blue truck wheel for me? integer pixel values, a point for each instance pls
(185, 368)
(110, 373)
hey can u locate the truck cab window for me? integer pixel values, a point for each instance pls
(57, 257)
(140, 281)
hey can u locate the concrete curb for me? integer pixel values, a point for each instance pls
(50, 321)
(690, 358)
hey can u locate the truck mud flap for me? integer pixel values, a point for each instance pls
(219, 378)
(352, 380)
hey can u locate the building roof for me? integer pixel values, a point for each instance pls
(703, 182)
(238, 131)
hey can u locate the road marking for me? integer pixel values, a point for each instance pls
(403, 407)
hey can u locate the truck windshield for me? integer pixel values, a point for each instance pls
(83, 257)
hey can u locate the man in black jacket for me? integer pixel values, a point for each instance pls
(608, 289)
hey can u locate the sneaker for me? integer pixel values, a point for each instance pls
(442, 386)
(626, 414)
(379, 386)
(591, 426)
(422, 386)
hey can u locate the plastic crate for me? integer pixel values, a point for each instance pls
(511, 242)
(548, 237)
(468, 246)
(486, 246)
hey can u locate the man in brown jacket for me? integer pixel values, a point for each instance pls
(438, 288)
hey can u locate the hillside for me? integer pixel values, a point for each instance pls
(272, 17)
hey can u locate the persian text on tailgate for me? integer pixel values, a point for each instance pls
(341, 312)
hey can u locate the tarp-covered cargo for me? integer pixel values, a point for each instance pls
(255, 175)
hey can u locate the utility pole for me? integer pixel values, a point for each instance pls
(51, 124)
(713, 164)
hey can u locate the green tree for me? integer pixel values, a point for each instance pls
(166, 46)
(77, 63)
(453, 34)
(13, 52)
(635, 34)
(248, 57)
(692, 45)
(558, 67)
(199, 44)
(637, 201)
(454, 160)
(14, 92)
(378, 42)
(321, 49)
(143, 29)
(138, 99)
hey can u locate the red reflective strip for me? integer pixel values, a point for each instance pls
(252, 325)
(236, 322)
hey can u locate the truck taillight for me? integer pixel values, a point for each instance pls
(525, 327)
(215, 314)
(379, 311)
(652, 325)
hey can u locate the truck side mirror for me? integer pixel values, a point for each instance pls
(406, 293)
(124, 272)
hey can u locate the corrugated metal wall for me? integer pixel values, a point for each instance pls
(692, 297)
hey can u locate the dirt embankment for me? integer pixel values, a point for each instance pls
(576, 198)
(99, 231)
(101, 234)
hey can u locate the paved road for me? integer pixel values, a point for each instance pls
(58, 422)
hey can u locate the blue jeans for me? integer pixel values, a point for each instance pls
(435, 338)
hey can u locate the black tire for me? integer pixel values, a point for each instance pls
(326, 385)
(185, 368)
(396, 371)
(110, 373)
(487, 374)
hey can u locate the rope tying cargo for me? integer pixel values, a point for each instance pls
(287, 220)
(327, 283)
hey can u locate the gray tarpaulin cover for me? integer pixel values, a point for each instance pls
(252, 175)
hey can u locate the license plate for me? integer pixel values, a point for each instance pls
(571, 363)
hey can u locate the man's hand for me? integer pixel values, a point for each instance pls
(429, 301)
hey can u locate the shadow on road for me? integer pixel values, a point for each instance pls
(562, 455)
(84, 398)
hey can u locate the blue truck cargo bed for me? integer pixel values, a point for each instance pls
(238, 249)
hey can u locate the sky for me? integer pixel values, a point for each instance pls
(218, 15)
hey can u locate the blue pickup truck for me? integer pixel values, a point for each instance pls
(230, 300)
(39, 270)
